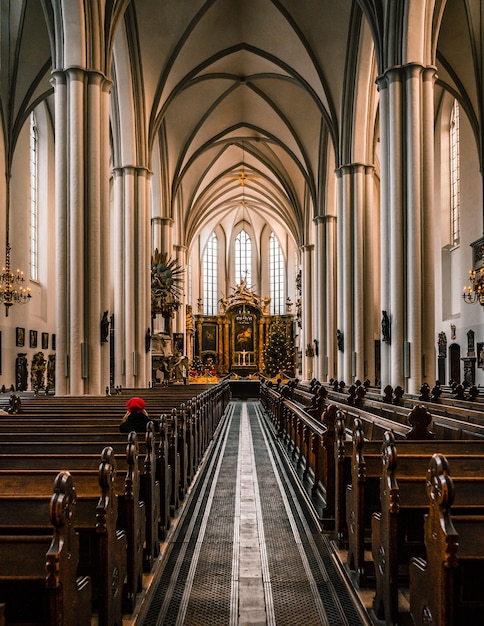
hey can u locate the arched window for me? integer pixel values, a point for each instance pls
(454, 175)
(276, 277)
(210, 276)
(243, 258)
(34, 206)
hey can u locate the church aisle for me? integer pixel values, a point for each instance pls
(246, 551)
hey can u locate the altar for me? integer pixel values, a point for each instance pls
(234, 340)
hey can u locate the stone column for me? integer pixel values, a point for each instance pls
(82, 210)
(319, 302)
(407, 207)
(180, 316)
(371, 293)
(345, 273)
(132, 279)
(329, 342)
(307, 303)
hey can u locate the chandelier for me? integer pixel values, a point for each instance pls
(474, 293)
(12, 290)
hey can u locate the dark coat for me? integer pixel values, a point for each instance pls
(136, 422)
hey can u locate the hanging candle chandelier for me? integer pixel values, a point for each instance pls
(474, 292)
(12, 290)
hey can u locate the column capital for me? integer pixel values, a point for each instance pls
(324, 219)
(132, 170)
(403, 72)
(351, 168)
(309, 247)
(77, 72)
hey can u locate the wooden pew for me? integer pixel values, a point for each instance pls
(102, 555)
(47, 565)
(74, 429)
(138, 493)
(446, 586)
(397, 530)
(359, 481)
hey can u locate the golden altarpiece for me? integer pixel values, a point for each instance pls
(235, 339)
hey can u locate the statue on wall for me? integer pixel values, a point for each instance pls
(37, 371)
(189, 322)
(21, 375)
(442, 343)
(385, 327)
(470, 343)
(340, 340)
(51, 372)
(104, 327)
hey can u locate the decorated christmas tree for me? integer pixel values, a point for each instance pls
(279, 351)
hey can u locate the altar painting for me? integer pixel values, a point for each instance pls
(244, 333)
(209, 337)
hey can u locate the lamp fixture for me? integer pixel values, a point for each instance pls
(474, 293)
(242, 174)
(12, 290)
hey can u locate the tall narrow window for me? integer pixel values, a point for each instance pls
(243, 258)
(210, 276)
(276, 277)
(189, 280)
(455, 175)
(34, 208)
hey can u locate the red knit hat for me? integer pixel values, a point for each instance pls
(136, 404)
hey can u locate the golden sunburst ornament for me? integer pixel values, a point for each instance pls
(166, 283)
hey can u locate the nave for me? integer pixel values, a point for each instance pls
(246, 549)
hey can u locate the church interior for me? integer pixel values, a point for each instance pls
(283, 198)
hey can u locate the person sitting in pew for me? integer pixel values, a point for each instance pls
(136, 417)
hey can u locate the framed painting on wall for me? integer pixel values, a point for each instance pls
(45, 341)
(20, 336)
(480, 355)
(178, 343)
(33, 338)
(209, 337)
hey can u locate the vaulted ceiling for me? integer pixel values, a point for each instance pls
(242, 104)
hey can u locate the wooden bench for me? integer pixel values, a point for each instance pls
(45, 567)
(358, 476)
(138, 493)
(446, 586)
(103, 547)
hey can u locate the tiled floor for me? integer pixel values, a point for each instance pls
(246, 552)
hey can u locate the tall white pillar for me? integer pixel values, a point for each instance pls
(354, 319)
(307, 306)
(180, 315)
(406, 209)
(359, 275)
(414, 224)
(385, 348)
(59, 81)
(371, 292)
(330, 348)
(428, 210)
(319, 302)
(118, 279)
(81, 213)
